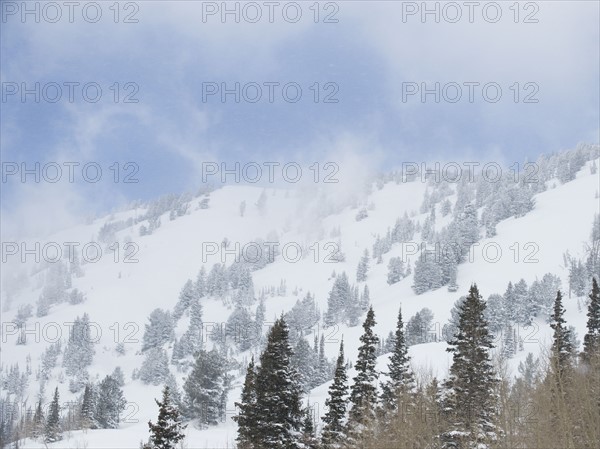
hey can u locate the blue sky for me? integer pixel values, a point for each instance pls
(369, 53)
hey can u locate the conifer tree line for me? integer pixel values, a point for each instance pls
(99, 406)
(554, 403)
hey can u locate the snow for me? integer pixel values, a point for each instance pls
(120, 296)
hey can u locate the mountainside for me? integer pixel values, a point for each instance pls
(123, 288)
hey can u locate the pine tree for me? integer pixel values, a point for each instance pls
(52, 429)
(363, 394)
(333, 431)
(247, 418)
(401, 380)
(591, 340)
(168, 430)
(469, 401)
(278, 393)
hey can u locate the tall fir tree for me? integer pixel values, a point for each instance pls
(278, 393)
(333, 431)
(204, 389)
(52, 428)
(88, 407)
(561, 357)
(470, 398)
(363, 394)
(363, 267)
(591, 340)
(168, 430)
(38, 420)
(110, 403)
(247, 418)
(560, 374)
(401, 379)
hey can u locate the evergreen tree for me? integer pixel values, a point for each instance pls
(401, 380)
(560, 374)
(247, 418)
(88, 405)
(591, 340)
(52, 429)
(278, 393)
(38, 420)
(308, 439)
(469, 398)
(333, 430)
(395, 270)
(159, 330)
(365, 299)
(205, 387)
(521, 307)
(155, 367)
(363, 267)
(561, 357)
(79, 351)
(323, 370)
(495, 313)
(305, 363)
(363, 394)
(240, 328)
(186, 296)
(339, 296)
(428, 273)
(168, 430)
(510, 307)
(110, 404)
(259, 321)
(353, 308)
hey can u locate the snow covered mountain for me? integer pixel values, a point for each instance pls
(158, 247)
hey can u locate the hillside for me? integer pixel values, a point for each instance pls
(120, 296)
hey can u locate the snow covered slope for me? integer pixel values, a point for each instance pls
(120, 296)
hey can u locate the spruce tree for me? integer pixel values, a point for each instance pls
(87, 408)
(591, 340)
(333, 431)
(110, 404)
(278, 393)
(363, 394)
(560, 374)
(470, 399)
(363, 267)
(168, 430)
(38, 420)
(205, 387)
(52, 429)
(309, 440)
(401, 380)
(247, 418)
(562, 349)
